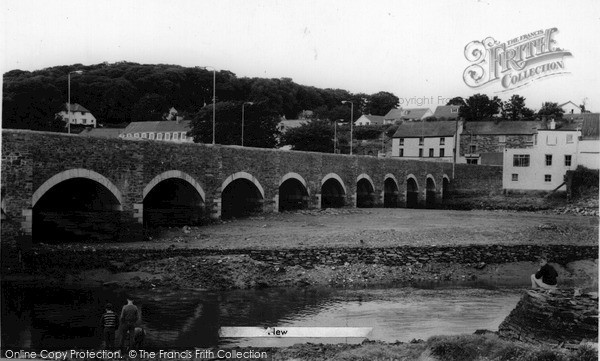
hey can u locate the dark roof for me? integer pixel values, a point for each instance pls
(425, 129)
(157, 127)
(75, 108)
(102, 132)
(445, 111)
(393, 114)
(589, 128)
(292, 123)
(375, 119)
(502, 127)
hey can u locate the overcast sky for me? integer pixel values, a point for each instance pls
(414, 49)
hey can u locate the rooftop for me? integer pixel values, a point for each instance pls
(502, 127)
(425, 129)
(157, 127)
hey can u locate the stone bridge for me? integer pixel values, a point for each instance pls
(67, 184)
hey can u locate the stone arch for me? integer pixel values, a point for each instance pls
(243, 175)
(172, 198)
(430, 191)
(77, 173)
(293, 193)
(173, 174)
(296, 176)
(332, 192)
(445, 185)
(390, 191)
(365, 191)
(336, 177)
(241, 195)
(412, 191)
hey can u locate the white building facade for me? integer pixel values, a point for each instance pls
(434, 141)
(543, 166)
(78, 115)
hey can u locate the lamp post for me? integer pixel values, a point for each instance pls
(214, 98)
(351, 120)
(69, 98)
(249, 103)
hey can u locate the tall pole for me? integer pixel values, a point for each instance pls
(214, 101)
(351, 120)
(69, 98)
(69, 103)
(249, 103)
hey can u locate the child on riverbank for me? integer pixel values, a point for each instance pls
(545, 277)
(108, 322)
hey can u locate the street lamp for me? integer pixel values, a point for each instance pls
(249, 103)
(351, 120)
(69, 98)
(214, 98)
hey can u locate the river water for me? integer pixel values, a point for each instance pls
(66, 318)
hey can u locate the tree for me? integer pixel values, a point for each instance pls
(479, 107)
(381, 103)
(314, 136)
(456, 101)
(260, 125)
(515, 109)
(551, 110)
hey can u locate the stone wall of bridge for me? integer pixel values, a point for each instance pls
(34, 162)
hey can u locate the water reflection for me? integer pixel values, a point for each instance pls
(68, 318)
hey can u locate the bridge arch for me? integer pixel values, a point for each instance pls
(390, 191)
(365, 191)
(430, 191)
(293, 192)
(333, 191)
(412, 191)
(76, 173)
(75, 205)
(173, 198)
(241, 195)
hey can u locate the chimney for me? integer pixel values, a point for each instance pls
(552, 124)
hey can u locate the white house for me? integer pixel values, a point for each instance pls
(588, 152)
(570, 107)
(425, 141)
(368, 119)
(78, 115)
(543, 166)
(170, 131)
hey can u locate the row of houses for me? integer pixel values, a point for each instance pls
(535, 155)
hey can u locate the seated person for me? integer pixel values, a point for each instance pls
(545, 277)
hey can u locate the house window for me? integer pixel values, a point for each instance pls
(521, 160)
(136, 135)
(129, 135)
(421, 141)
(453, 110)
(151, 135)
(567, 160)
(441, 152)
(167, 136)
(502, 139)
(175, 136)
(472, 149)
(144, 135)
(551, 139)
(547, 178)
(430, 152)
(569, 138)
(401, 153)
(420, 152)
(442, 141)
(183, 136)
(401, 141)
(535, 139)
(472, 160)
(159, 136)
(515, 177)
(83, 120)
(548, 159)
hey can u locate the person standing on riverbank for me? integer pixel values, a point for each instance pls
(108, 322)
(130, 316)
(545, 277)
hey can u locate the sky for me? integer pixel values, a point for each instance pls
(413, 49)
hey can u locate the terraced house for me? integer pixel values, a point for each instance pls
(169, 131)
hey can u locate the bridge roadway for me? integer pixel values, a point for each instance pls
(76, 182)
